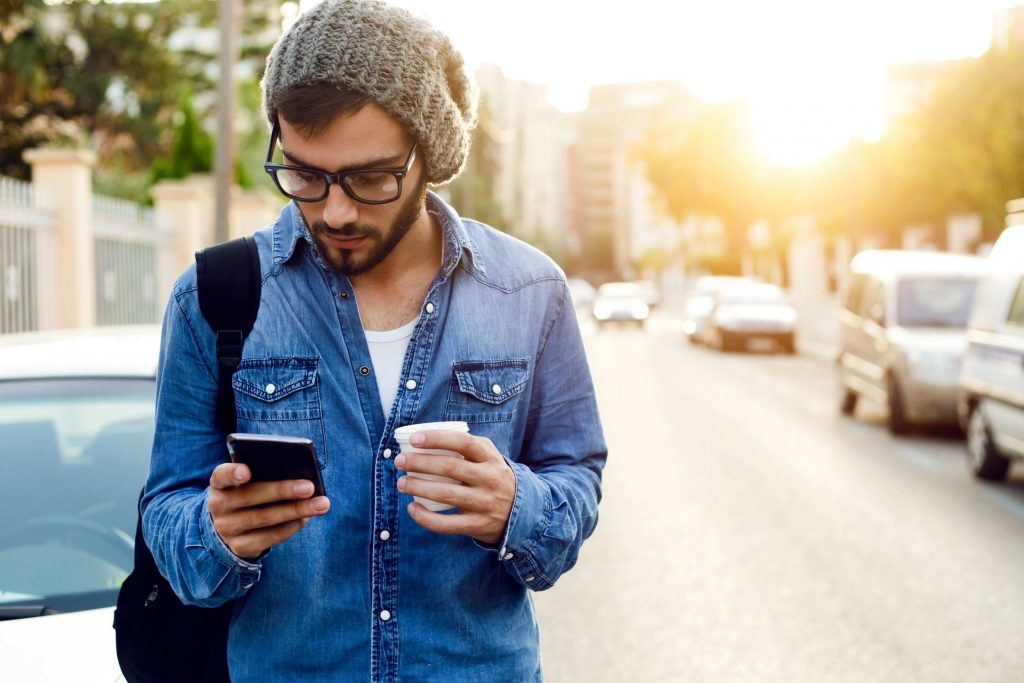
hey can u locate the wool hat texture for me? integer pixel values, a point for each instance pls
(398, 60)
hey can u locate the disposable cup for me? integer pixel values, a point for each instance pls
(402, 436)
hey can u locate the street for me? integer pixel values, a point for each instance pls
(750, 533)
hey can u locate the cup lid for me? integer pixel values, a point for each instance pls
(403, 434)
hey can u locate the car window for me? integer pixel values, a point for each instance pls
(74, 456)
(1016, 316)
(935, 302)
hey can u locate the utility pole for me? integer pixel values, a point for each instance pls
(228, 21)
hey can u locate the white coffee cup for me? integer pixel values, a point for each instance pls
(402, 436)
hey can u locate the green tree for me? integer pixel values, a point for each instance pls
(103, 74)
(971, 137)
(712, 167)
(473, 192)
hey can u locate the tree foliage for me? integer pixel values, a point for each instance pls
(110, 76)
(962, 151)
(709, 166)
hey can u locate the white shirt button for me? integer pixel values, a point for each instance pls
(385, 615)
(508, 556)
(385, 535)
(496, 389)
(270, 389)
(430, 308)
(530, 578)
(410, 385)
(387, 453)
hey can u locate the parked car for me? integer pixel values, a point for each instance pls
(991, 406)
(751, 313)
(903, 333)
(702, 299)
(76, 429)
(620, 302)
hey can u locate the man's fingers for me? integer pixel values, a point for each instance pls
(473, 448)
(247, 520)
(250, 545)
(228, 475)
(449, 466)
(468, 524)
(231, 498)
(462, 497)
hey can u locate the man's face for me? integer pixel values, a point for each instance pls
(356, 237)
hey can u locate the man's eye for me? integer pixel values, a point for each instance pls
(369, 179)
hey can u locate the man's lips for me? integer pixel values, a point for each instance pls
(344, 242)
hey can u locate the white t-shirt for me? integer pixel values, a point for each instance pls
(387, 352)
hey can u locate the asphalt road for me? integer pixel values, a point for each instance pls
(750, 533)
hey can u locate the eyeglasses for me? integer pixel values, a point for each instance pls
(366, 185)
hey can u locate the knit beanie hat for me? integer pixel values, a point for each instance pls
(396, 59)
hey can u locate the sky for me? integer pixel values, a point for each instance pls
(811, 71)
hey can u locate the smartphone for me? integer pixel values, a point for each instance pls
(272, 457)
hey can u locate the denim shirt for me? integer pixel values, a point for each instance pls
(365, 593)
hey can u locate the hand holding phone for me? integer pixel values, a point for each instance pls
(267, 502)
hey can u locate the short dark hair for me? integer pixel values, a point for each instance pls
(311, 108)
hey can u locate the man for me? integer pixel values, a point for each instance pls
(380, 308)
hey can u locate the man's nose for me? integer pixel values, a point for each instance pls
(339, 208)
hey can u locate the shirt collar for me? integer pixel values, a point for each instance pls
(291, 227)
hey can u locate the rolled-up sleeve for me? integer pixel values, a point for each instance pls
(187, 447)
(558, 473)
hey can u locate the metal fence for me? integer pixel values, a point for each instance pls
(27, 228)
(129, 240)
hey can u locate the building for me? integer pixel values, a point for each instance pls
(527, 140)
(605, 213)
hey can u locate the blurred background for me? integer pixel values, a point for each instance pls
(792, 236)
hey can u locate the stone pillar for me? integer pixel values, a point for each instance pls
(188, 208)
(253, 209)
(66, 174)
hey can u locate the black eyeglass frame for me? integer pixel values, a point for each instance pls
(335, 178)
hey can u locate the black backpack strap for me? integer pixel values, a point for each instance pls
(229, 280)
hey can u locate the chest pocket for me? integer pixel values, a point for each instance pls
(280, 396)
(486, 391)
(272, 389)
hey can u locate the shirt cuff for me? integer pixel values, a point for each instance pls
(526, 524)
(248, 570)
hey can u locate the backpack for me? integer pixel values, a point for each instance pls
(158, 637)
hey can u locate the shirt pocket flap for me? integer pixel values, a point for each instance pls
(272, 379)
(492, 382)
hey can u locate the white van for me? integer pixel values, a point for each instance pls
(902, 333)
(991, 407)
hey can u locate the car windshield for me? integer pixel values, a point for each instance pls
(935, 302)
(74, 455)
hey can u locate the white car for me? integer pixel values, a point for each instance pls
(702, 299)
(750, 314)
(621, 302)
(76, 429)
(991, 403)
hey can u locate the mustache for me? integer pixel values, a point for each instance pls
(346, 231)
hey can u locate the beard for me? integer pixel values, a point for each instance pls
(382, 242)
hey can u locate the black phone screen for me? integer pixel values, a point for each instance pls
(277, 458)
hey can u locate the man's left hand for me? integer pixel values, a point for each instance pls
(484, 498)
